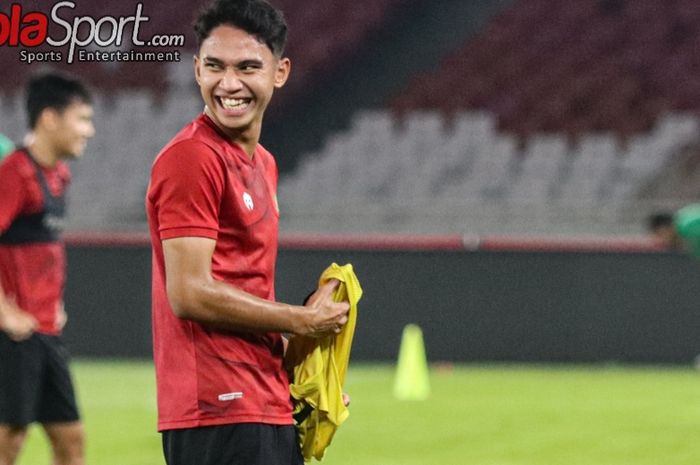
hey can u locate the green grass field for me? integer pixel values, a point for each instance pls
(485, 415)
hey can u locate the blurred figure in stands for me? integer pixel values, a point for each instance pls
(662, 227)
(35, 381)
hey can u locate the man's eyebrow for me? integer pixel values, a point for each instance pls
(212, 60)
(241, 64)
(250, 62)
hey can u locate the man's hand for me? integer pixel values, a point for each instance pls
(61, 317)
(15, 322)
(326, 316)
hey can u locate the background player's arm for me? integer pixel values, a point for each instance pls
(61, 316)
(16, 323)
(195, 295)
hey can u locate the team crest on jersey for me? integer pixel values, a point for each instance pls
(248, 201)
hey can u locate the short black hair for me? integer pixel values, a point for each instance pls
(257, 17)
(659, 220)
(53, 90)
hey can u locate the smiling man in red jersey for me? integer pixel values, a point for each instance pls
(223, 393)
(35, 382)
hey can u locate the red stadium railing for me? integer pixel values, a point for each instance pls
(390, 242)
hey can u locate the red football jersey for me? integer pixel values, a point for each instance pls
(31, 273)
(204, 185)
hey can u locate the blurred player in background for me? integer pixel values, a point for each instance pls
(662, 227)
(35, 383)
(223, 394)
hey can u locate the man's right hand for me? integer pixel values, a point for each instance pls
(16, 323)
(327, 317)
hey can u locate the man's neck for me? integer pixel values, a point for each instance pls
(248, 146)
(43, 153)
(247, 140)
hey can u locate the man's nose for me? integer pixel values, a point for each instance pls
(230, 81)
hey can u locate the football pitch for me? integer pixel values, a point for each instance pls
(476, 414)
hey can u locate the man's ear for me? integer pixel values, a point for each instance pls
(49, 118)
(284, 67)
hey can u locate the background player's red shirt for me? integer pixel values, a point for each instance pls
(33, 274)
(204, 185)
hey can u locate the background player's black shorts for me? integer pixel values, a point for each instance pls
(35, 382)
(239, 444)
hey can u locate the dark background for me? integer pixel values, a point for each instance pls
(544, 306)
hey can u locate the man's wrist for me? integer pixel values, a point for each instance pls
(3, 314)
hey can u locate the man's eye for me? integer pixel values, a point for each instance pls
(250, 67)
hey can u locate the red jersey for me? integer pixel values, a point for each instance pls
(204, 185)
(32, 270)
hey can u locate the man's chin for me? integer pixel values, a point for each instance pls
(73, 155)
(232, 124)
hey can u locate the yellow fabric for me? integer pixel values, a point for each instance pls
(320, 365)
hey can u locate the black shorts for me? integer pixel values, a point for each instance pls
(35, 383)
(239, 444)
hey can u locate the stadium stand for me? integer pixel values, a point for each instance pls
(566, 130)
(587, 113)
(593, 65)
(419, 175)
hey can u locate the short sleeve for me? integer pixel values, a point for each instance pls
(187, 182)
(13, 188)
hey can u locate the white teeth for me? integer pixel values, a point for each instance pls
(233, 103)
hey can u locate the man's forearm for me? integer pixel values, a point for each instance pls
(223, 306)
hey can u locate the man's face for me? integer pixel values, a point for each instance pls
(71, 129)
(237, 75)
(666, 235)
